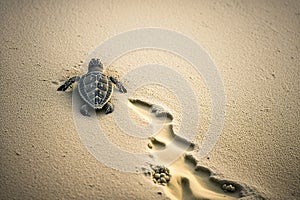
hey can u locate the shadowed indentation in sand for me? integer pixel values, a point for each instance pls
(190, 180)
(158, 111)
(166, 136)
(156, 144)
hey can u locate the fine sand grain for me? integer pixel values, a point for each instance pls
(255, 46)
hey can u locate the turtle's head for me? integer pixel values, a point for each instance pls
(95, 65)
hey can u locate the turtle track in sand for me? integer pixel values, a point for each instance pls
(190, 180)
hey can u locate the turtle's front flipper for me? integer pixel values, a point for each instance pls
(84, 110)
(118, 84)
(68, 83)
(109, 108)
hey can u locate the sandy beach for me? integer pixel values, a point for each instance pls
(49, 150)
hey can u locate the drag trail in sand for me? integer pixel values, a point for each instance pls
(190, 180)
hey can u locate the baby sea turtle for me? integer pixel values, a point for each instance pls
(95, 88)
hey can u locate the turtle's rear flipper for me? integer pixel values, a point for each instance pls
(118, 84)
(68, 83)
(84, 110)
(109, 108)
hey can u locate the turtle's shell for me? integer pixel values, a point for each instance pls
(95, 89)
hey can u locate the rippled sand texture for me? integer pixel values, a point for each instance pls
(255, 46)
